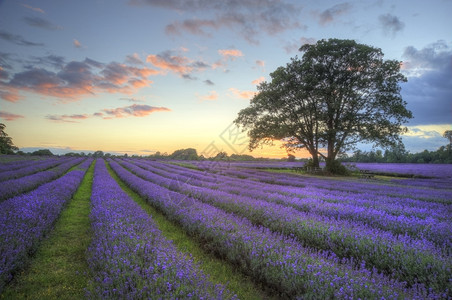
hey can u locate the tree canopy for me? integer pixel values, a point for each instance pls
(338, 94)
(6, 142)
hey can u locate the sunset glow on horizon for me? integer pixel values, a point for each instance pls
(143, 76)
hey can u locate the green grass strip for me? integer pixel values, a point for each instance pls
(218, 270)
(59, 269)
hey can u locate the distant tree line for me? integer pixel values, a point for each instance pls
(399, 155)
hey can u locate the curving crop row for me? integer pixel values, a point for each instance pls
(37, 166)
(129, 256)
(276, 260)
(13, 187)
(26, 219)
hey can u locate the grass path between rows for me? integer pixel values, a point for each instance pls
(59, 269)
(218, 270)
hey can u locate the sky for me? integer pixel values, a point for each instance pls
(140, 76)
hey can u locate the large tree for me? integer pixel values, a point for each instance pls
(338, 94)
(6, 143)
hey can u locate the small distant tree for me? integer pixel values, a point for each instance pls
(290, 158)
(6, 142)
(448, 135)
(42, 152)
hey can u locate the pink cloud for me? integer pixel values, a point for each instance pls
(242, 94)
(34, 8)
(77, 44)
(76, 79)
(9, 116)
(67, 118)
(211, 96)
(136, 110)
(258, 80)
(230, 53)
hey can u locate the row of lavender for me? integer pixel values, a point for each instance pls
(33, 174)
(129, 256)
(244, 232)
(410, 259)
(25, 219)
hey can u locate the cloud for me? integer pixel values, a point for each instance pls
(258, 80)
(9, 116)
(209, 82)
(211, 96)
(428, 91)
(249, 18)
(294, 46)
(76, 79)
(242, 94)
(67, 118)
(132, 99)
(77, 44)
(41, 23)
(135, 110)
(37, 9)
(329, 15)
(390, 24)
(17, 39)
(231, 54)
(419, 138)
(181, 65)
(260, 64)
(134, 59)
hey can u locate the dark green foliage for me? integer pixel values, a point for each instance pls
(42, 152)
(6, 142)
(338, 94)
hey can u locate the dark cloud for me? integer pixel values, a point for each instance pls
(52, 76)
(330, 14)
(209, 82)
(134, 59)
(41, 23)
(390, 24)
(249, 18)
(17, 39)
(429, 87)
(54, 61)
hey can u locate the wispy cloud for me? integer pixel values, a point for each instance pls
(249, 18)
(134, 110)
(231, 54)
(242, 94)
(294, 46)
(67, 118)
(258, 80)
(41, 23)
(134, 59)
(37, 9)
(260, 64)
(9, 116)
(17, 39)
(77, 44)
(211, 96)
(209, 82)
(390, 24)
(76, 79)
(331, 14)
(176, 63)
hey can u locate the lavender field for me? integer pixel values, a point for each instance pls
(298, 235)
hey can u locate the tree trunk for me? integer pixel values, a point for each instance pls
(315, 159)
(331, 156)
